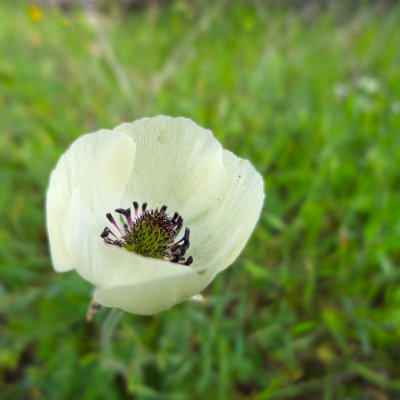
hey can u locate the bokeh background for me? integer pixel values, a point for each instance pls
(310, 93)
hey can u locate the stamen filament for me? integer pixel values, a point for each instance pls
(136, 206)
(111, 219)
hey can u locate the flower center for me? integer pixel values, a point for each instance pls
(151, 233)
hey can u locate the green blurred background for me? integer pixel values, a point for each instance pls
(309, 93)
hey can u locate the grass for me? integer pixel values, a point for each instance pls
(311, 309)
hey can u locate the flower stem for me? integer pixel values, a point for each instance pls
(106, 335)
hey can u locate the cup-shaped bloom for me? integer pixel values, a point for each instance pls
(150, 212)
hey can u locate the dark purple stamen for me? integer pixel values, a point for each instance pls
(105, 233)
(136, 206)
(188, 261)
(163, 208)
(178, 250)
(144, 206)
(111, 219)
(186, 243)
(127, 214)
(179, 224)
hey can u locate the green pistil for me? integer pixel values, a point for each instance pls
(147, 238)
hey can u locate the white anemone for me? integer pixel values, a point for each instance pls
(161, 161)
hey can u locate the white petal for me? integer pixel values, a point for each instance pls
(105, 265)
(99, 164)
(181, 165)
(178, 164)
(233, 217)
(156, 295)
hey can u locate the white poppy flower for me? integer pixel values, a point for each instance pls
(140, 260)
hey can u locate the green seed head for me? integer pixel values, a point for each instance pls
(150, 235)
